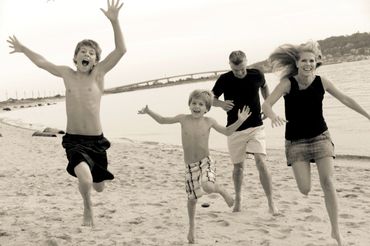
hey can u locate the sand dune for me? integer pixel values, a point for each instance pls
(146, 203)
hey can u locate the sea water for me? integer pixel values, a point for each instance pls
(350, 131)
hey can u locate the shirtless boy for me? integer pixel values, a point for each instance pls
(200, 171)
(84, 141)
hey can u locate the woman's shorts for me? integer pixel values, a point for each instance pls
(310, 149)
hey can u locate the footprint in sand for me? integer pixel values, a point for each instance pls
(105, 216)
(280, 236)
(4, 234)
(353, 225)
(159, 227)
(164, 202)
(166, 217)
(265, 243)
(357, 189)
(43, 201)
(65, 237)
(57, 219)
(137, 221)
(312, 218)
(155, 204)
(18, 193)
(264, 231)
(350, 196)
(213, 215)
(346, 216)
(286, 231)
(307, 235)
(305, 210)
(51, 242)
(223, 222)
(295, 202)
(274, 225)
(134, 204)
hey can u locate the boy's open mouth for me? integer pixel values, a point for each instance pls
(85, 63)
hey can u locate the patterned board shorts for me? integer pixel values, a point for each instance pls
(310, 149)
(196, 173)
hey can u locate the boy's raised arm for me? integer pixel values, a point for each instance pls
(112, 14)
(243, 114)
(37, 59)
(160, 119)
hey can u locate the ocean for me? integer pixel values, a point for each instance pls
(350, 131)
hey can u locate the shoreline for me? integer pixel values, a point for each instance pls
(40, 102)
(344, 157)
(342, 160)
(17, 104)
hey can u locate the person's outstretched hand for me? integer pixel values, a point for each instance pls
(244, 113)
(14, 44)
(112, 10)
(143, 110)
(278, 121)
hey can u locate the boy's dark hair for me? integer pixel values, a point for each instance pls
(89, 43)
(237, 56)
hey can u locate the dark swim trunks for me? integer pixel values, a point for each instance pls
(89, 149)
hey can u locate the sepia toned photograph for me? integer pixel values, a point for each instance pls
(171, 122)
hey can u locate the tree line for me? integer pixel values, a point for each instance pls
(336, 49)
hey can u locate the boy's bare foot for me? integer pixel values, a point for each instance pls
(237, 205)
(336, 236)
(274, 210)
(191, 237)
(229, 200)
(88, 217)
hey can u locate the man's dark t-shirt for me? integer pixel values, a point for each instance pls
(243, 92)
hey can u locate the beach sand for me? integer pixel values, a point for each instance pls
(146, 203)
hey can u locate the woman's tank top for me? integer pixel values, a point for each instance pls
(303, 110)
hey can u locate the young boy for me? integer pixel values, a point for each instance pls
(200, 174)
(84, 141)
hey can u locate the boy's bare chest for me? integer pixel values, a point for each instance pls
(84, 87)
(196, 129)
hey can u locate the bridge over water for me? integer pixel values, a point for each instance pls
(167, 81)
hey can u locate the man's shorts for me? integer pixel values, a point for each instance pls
(196, 173)
(309, 150)
(89, 149)
(248, 141)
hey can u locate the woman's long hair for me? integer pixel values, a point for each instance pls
(284, 58)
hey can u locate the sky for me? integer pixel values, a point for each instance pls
(163, 37)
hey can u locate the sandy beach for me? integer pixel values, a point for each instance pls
(146, 203)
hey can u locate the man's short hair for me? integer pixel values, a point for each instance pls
(237, 56)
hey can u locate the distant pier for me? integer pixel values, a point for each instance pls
(167, 81)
